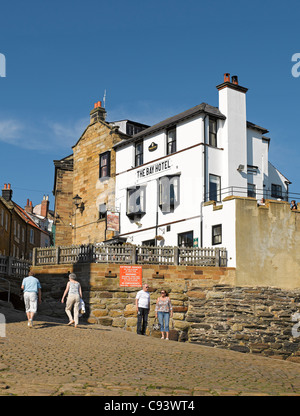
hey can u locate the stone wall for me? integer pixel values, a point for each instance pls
(208, 308)
(245, 319)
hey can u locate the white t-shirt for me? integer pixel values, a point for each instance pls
(143, 299)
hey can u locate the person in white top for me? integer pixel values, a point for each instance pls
(142, 302)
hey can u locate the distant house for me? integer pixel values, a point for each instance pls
(19, 234)
(43, 218)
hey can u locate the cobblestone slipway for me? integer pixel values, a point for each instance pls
(93, 360)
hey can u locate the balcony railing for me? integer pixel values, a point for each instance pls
(254, 193)
(131, 254)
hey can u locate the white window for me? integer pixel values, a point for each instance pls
(213, 132)
(171, 141)
(216, 234)
(136, 201)
(251, 190)
(168, 193)
(214, 188)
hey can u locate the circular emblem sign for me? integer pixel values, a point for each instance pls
(152, 147)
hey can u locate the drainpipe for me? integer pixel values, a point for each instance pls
(204, 180)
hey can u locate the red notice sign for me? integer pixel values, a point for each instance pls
(130, 276)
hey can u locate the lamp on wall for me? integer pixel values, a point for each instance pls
(240, 168)
(77, 200)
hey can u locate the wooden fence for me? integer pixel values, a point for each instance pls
(11, 266)
(131, 254)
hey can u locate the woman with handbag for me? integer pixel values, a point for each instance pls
(74, 292)
(163, 311)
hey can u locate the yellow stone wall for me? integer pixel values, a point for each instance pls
(73, 226)
(267, 241)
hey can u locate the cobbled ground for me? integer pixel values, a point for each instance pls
(53, 359)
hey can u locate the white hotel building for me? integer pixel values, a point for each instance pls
(167, 173)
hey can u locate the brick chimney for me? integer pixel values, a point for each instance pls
(7, 192)
(29, 208)
(45, 206)
(98, 113)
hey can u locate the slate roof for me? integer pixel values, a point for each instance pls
(172, 121)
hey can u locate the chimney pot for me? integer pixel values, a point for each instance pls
(227, 77)
(7, 192)
(234, 79)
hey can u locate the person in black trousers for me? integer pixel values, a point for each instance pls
(142, 302)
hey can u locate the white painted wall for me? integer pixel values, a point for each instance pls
(237, 145)
(226, 217)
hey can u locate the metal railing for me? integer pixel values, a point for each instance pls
(131, 254)
(247, 192)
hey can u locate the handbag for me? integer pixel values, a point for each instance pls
(81, 307)
(155, 326)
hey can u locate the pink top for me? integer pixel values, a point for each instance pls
(163, 305)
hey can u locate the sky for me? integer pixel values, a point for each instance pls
(154, 59)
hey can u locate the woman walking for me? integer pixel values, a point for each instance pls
(163, 311)
(74, 292)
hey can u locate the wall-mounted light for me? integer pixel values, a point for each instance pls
(77, 200)
(240, 168)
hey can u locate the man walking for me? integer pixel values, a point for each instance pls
(142, 302)
(32, 295)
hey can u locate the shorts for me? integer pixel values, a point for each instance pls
(30, 300)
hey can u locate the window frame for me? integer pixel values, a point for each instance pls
(140, 192)
(168, 192)
(171, 141)
(103, 166)
(274, 193)
(214, 236)
(251, 193)
(185, 234)
(218, 191)
(139, 157)
(213, 135)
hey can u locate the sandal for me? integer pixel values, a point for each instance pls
(70, 323)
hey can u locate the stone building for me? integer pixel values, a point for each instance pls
(84, 184)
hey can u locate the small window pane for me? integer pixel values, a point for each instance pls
(217, 234)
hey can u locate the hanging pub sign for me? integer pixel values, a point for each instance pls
(112, 221)
(152, 147)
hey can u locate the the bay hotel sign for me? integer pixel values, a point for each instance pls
(154, 168)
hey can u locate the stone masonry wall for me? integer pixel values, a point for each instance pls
(208, 308)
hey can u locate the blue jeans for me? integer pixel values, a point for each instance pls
(163, 319)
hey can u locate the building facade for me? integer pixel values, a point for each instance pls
(84, 185)
(166, 174)
(19, 234)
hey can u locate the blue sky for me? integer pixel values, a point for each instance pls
(154, 59)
